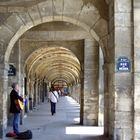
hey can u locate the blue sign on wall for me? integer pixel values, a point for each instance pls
(12, 70)
(123, 64)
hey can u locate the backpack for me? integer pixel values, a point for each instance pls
(25, 135)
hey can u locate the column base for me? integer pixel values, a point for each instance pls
(90, 122)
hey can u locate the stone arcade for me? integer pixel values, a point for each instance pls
(77, 42)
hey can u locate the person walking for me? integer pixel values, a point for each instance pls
(53, 96)
(14, 108)
(26, 103)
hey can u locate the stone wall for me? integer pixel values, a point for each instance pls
(121, 99)
(136, 70)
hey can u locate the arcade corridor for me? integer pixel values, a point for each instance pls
(64, 125)
(88, 49)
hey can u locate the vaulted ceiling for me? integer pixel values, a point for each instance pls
(55, 63)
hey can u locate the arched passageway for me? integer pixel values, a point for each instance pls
(49, 65)
(81, 27)
(68, 61)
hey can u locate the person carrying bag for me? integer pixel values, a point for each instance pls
(53, 96)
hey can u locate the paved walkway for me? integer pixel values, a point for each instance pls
(63, 126)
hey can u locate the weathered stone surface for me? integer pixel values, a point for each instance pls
(123, 6)
(120, 93)
(121, 134)
(92, 12)
(5, 34)
(26, 18)
(126, 83)
(100, 27)
(46, 9)
(58, 6)
(123, 104)
(136, 70)
(123, 51)
(92, 116)
(55, 35)
(91, 76)
(16, 9)
(123, 19)
(120, 40)
(92, 16)
(14, 23)
(35, 14)
(137, 78)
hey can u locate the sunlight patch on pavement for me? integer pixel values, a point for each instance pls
(76, 120)
(84, 130)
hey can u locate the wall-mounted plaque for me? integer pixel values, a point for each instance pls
(12, 70)
(123, 64)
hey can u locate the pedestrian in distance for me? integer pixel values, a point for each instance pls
(53, 96)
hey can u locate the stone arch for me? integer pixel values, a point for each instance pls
(25, 28)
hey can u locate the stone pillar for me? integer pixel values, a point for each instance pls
(37, 91)
(34, 94)
(20, 79)
(108, 98)
(31, 92)
(136, 70)
(91, 82)
(101, 90)
(121, 99)
(82, 95)
(43, 91)
(3, 98)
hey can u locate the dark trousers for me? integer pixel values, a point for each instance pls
(53, 107)
(26, 109)
(16, 122)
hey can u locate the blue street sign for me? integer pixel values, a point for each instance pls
(12, 70)
(123, 64)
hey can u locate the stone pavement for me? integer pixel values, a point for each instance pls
(64, 125)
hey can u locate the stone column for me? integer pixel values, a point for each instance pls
(136, 70)
(82, 95)
(91, 83)
(43, 91)
(34, 94)
(101, 90)
(121, 97)
(108, 98)
(40, 94)
(31, 92)
(37, 92)
(21, 79)
(3, 97)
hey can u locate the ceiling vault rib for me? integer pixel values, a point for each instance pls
(53, 63)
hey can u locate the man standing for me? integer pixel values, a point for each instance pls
(14, 96)
(53, 96)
